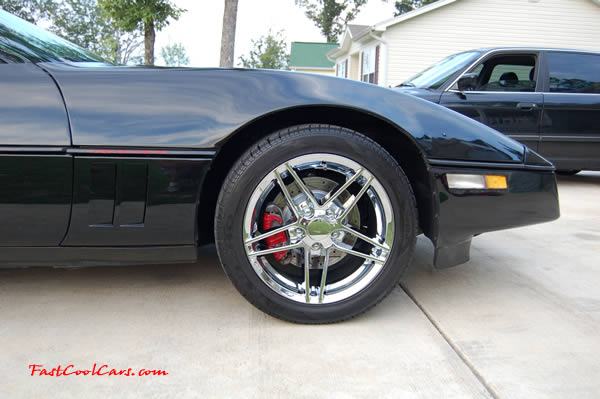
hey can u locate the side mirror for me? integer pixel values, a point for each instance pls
(467, 82)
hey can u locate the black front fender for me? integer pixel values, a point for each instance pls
(200, 108)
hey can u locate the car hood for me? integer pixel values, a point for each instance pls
(201, 108)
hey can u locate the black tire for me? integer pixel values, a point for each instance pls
(568, 172)
(276, 149)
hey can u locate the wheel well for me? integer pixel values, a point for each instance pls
(389, 136)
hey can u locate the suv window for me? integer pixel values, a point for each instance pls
(522, 72)
(436, 75)
(574, 73)
(506, 73)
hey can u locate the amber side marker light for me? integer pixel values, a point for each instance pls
(476, 182)
(495, 182)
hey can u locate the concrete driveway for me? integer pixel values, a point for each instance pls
(520, 320)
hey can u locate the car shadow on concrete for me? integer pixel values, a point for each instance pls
(585, 177)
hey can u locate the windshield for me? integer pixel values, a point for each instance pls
(436, 75)
(20, 39)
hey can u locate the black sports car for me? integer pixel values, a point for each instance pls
(313, 188)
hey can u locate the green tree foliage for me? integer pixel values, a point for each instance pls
(145, 16)
(269, 52)
(174, 55)
(404, 6)
(331, 16)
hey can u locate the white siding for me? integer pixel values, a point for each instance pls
(354, 67)
(467, 24)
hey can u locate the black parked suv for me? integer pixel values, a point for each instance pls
(548, 99)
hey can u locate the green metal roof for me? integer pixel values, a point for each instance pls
(311, 55)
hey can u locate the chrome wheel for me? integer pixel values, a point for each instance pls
(318, 228)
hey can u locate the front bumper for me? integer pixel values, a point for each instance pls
(531, 197)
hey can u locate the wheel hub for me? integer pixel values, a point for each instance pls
(320, 187)
(318, 231)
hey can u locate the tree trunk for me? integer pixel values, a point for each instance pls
(149, 37)
(228, 33)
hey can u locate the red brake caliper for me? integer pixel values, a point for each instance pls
(276, 240)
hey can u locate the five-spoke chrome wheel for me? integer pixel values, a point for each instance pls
(332, 231)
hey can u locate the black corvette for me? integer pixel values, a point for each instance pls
(313, 188)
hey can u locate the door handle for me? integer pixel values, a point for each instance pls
(526, 106)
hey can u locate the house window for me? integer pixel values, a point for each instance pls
(369, 66)
(341, 69)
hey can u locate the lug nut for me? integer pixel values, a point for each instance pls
(335, 234)
(316, 246)
(299, 231)
(376, 252)
(329, 212)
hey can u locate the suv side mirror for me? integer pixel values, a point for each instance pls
(468, 82)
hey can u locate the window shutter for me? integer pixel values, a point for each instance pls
(362, 59)
(346, 69)
(376, 65)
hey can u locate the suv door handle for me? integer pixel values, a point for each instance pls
(526, 106)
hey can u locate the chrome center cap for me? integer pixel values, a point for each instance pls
(319, 229)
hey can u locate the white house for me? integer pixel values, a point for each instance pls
(393, 50)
